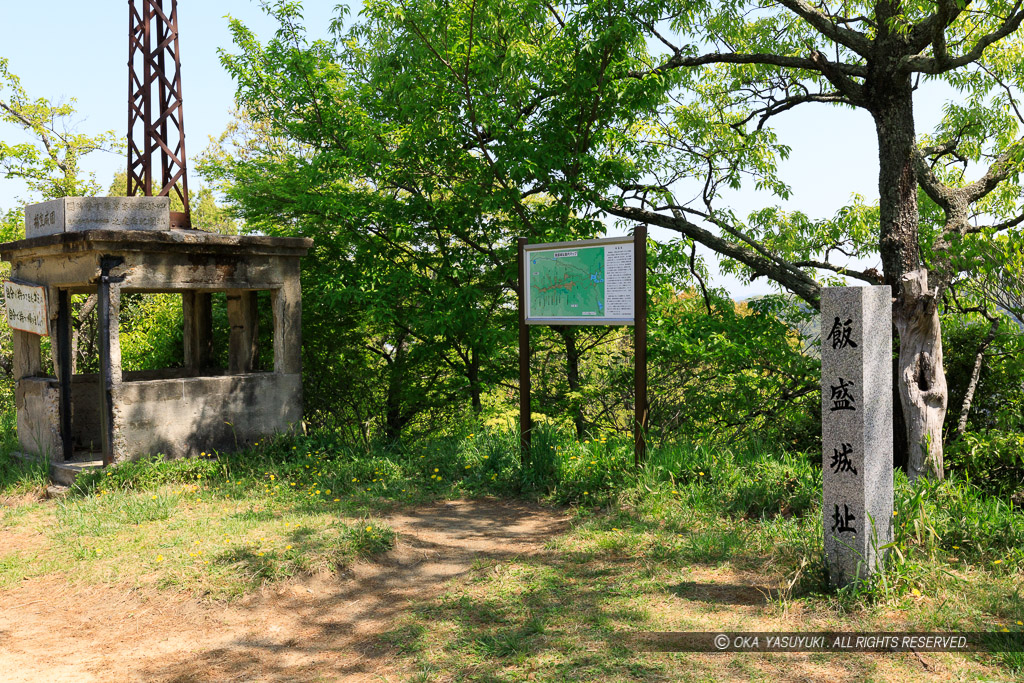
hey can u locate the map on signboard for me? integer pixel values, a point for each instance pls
(570, 283)
(567, 284)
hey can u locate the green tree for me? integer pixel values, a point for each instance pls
(730, 68)
(422, 157)
(463, 124)
(49, 160)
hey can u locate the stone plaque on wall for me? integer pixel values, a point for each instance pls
(856, 429)
(77, 214)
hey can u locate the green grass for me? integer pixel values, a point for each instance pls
(20, 477)
(702, 538)
(713, 495)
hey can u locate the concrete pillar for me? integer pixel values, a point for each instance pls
(28, 357)
(197, 310)
(108, 308)
(856, 426)
(287, 305)
(243, 347)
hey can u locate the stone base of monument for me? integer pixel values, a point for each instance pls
(106, 248)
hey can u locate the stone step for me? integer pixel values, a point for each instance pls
(64, 473)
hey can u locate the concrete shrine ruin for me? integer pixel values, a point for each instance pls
(111, 247)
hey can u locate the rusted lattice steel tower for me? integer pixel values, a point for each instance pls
(156, 124)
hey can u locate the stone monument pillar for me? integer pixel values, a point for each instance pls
(856, 429)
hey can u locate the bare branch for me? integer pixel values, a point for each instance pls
(679, 61)
(870, 275)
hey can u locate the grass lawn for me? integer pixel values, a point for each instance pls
(702, 540)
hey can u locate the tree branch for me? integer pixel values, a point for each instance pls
(679, 61)
(938, 65)
(870, 275)
(855, 40)
(792, 278)
(1002, 167)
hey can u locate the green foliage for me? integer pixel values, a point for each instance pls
(992, 460)
(151, 332)
(730, 369)
(367, 540)
(413, 208)
(415, 176)
(998, 401)
(49, 160)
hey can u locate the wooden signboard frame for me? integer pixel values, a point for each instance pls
(638, 321)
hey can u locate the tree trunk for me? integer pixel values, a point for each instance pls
(972, 385)
(395, 417)
(473, 375)
(921, 379)
(572, 367)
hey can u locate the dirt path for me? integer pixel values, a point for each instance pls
(317, 628)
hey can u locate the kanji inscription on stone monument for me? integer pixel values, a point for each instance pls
(856, 429)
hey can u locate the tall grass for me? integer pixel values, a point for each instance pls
(752, 481)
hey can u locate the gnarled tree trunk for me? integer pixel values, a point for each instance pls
(922, 379)
(920, 375)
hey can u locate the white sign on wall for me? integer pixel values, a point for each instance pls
(26, 308)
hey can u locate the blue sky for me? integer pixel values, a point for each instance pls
(63, 49)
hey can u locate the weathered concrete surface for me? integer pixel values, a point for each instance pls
(65, 473)
(157, 261)
(174, 412)
(37, 402)
(192, 415)
(85, 413)
(78, 214)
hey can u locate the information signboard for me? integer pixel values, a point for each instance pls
(587, 282)
(26, 307)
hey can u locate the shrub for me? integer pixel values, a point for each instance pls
(992, 460)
